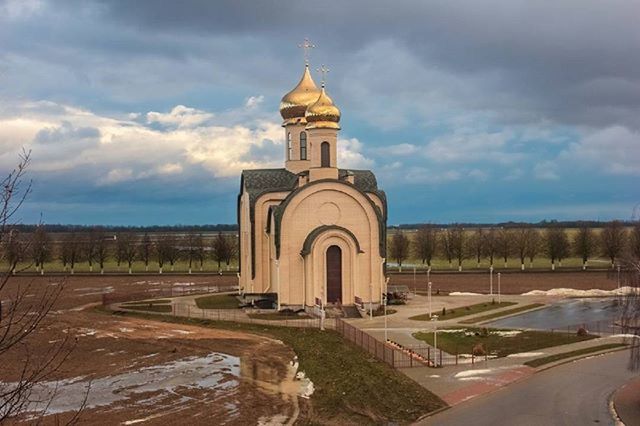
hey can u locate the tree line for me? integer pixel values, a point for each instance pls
(456, 244)
(97, 246)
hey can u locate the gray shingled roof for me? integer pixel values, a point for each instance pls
(263, 181)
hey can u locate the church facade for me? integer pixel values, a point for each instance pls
(312, 233)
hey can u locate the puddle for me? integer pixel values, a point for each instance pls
(216, 371)
(566, 313)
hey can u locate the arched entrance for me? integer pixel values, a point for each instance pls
(334, 274)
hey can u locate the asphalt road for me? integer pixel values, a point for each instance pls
(571, 394)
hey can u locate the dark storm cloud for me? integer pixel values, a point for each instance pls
(572, 61)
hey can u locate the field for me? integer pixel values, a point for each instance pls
(135, 354)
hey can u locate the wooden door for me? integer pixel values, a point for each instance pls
(334, 275)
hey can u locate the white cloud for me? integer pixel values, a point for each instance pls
(545, 170)
(614, 150)
(181, 117)
(253, 101)
(398, 149)
(116, 176)
(470, 146)
(350, 155)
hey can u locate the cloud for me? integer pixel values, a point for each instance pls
(398, 150)
(546, 170)
(350, 155)
(614, 150)
(470, 146)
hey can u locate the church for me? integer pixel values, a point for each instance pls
(312, 234)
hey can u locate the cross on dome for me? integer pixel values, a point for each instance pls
(323, 70)
(306, 46)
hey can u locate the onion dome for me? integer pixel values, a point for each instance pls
(294, 104)
(323, 114)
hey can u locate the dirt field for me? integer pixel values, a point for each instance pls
(511, 283)
(153, 372)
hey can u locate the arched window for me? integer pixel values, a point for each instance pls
(303, 145)
(325, 155)
(289, 146)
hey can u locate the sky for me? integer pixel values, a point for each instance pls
(145, 112)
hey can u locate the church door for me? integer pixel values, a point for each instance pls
(334, 274)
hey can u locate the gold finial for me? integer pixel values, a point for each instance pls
(306, 46)
(324, 71)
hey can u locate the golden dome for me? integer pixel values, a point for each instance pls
(295, 103)
(323, 113)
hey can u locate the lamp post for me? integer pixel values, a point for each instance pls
(618, 276)
(384, 301)
(429, 296)
(491, 280)
(414, 279)
(498, 288)
(434, 318)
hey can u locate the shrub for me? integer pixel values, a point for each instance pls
(582, 331)
(478, 350)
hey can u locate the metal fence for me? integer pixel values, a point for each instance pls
(238, 315)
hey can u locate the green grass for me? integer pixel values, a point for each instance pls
(276, 316)
(351, 387)
(557, 357)
(502, 313)
(218, 301)
(137, 267)
(526, 341)
(149, 308)
(463, 311)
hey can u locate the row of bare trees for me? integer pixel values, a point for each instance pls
(456, 244)
(97, 247)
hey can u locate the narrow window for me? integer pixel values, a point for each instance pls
(325, 155)
(289, 147)
(303, 145)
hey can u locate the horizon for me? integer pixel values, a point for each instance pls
(138, 118)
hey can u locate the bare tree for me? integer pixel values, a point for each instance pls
(200, 250)
(23, 309)
(399, 248)
(557, 245)
(630, 318)
(505, 244)
(634, 242)
(476, 245)
(40, 248)
(190, 248)
(103, 248)
(219, 250)
(161, 250)
(584, 244)
(89, 243)
(146, 247)
(490, 245)
(127, 242)
(13, 249)
(458, 240)
(425, 243)
(522, 238)
(446, 245)
(613, 238)
(172, 251)
(70, 251)
(120, 250)
(534, 246)
(232, 249)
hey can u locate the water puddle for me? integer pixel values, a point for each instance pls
(215, 371)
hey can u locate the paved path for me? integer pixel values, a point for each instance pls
(627, 402)
(576, 393)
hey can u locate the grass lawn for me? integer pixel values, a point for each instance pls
(464, 339)
(150, 301)
(463, 311)
(277, 316)
(350, 385)
(218, 301)
(502, 313)
(557, 357)
(149, 308)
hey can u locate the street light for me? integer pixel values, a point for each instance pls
(498, 288)
(429, 297)
(491, 280)
(434, 318)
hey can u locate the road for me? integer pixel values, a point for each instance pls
(576, 393)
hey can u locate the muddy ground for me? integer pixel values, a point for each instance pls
(511, 283)
(142, 371)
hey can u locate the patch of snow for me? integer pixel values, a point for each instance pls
(465, 293)
(182, 331)
(571, 292)
(525, 354)
(86, 332)
(626, 336)
(471, 373)
(434, 376)
(506, 333)
(126, 330)
(452, 330)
